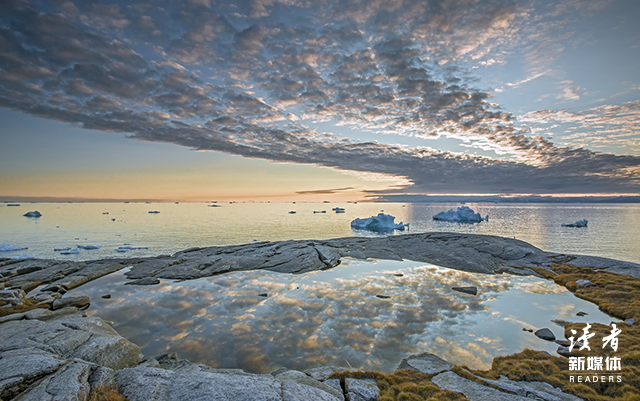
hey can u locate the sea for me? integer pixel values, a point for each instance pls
(365, 314)
(613, 229)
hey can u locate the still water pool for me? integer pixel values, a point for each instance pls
(261, 320)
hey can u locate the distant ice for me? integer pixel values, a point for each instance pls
(35, 213)
(338, 210)
(292, 212)
(154, 211)
(319, 211)
(9, 248)
(579, 223)
(71, 252)
(381, 222)
(464, 214)
(129, 247)
(88, 246)
(23, 256)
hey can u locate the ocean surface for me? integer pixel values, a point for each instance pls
(613, 229)
(261, 320)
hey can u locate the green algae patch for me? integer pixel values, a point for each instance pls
(403, 385)
(617, 295)
(27, 305)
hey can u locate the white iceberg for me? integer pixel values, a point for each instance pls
(88, 246)
(381, 222)
(464, 214)
(579, 223)
(35, 213)
(23, 256)
(9, 248)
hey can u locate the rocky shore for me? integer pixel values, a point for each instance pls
(56, 352)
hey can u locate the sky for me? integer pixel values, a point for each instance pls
(310, 100)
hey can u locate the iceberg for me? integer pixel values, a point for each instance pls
(23, 256)
(35, 213)
(579, 223)
(381, 222)
(88, 246)
(464, 214)
(71, 252)
(338, 209)
(154, 212)
(9, 248)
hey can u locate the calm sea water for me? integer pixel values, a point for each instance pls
(613, 229)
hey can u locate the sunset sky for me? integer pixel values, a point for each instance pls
(301, 99)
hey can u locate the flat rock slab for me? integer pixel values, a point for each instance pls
(154, 384)
(472, 390)
(468, 252)
(425, 362)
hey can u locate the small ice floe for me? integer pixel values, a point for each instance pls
(338, 209)
(113, 219)
(88, 246)
(292, 212)
(126, 248)
(9, 248)
(13, 204)
(71, 252)
(319, 211)
(463, 214)
(105, 212)
(579, 223)
(62, 249)
(381, 222)
(213, 205)
(23, 256)
(35, 213)
(154, 211)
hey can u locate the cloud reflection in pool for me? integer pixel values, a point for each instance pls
(334, 316)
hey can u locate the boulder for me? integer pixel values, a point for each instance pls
(545, 334)
(301, 378)
(143, 281)
(78, 302)
(584, 283)
(12, 297)
(322, 373)
(425, 362)
(466, 290)
(361, 389)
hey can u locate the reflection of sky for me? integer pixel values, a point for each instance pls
(334, 316)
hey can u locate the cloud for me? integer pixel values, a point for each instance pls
(251, 80)
(324, 191)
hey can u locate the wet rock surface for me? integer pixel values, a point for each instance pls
(467, 252)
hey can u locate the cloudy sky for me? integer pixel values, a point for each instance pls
(278, 99)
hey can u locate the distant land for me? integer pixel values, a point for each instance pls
(370, 198)
(503, 199)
